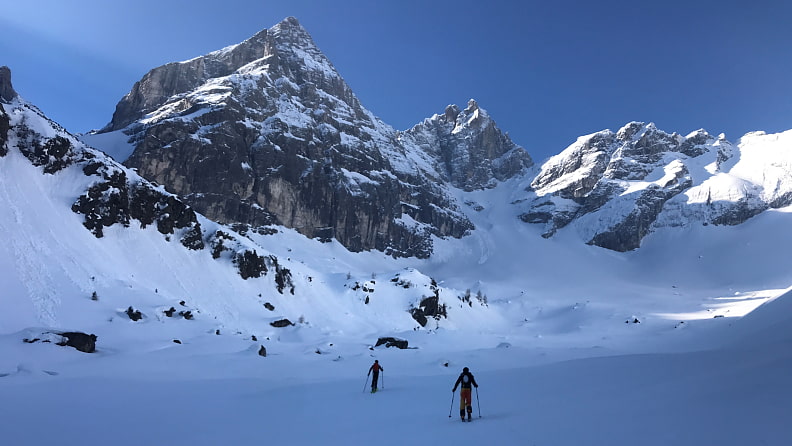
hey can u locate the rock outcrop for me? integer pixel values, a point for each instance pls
(7, 93)
(469, 149)
(83, 342)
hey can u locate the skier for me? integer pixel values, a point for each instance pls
(465, 399)
(376, 369)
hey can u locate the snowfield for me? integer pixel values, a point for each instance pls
(211, 391)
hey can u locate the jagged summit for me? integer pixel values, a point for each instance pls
(471, 151)
(267, 132)
(7, 93)
(614, 188)
(271, 51)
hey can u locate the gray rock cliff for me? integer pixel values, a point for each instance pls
(470, 150)
(267, 132)
(615, 185)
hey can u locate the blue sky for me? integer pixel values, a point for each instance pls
(547, 71)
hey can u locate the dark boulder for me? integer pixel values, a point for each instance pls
(281, 323)
(392, 342)
(81, 341)
(429, 307)
(133, 314)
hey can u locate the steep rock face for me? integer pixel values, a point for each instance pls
(267, 132)
(5, 125)
(614, 186)
(471, 151)
(7, 94)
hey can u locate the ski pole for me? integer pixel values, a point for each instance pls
(383, 379)
(364, 385)
(478, 403)
(453, 394)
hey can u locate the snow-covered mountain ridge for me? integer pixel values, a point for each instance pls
(267, 132)
(615, 188)
(91, 235)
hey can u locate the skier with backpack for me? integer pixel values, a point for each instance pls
(466, 380)
(376, 367)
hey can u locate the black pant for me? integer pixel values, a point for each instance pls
(374, 380)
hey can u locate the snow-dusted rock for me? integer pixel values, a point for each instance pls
(613, 186)
(107, 193)
(469, 150)
(757, 179)
(267, 132)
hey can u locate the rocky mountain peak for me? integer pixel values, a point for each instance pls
(471, 116)
(7, 93)
(267, 132)
(614, 186)
(471, 152)
(631, 129)
(289, 30)
(451, 113)
(285, 50)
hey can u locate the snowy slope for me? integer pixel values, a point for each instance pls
(58, 267)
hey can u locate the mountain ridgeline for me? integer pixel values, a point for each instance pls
(266, 132)
(616, 188)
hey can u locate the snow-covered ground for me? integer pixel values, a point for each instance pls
(212, 390)
(686, 341)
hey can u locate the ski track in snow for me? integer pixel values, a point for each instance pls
(484, 244)
(27, 249)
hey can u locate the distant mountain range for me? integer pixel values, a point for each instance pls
(615, 188)
(266, 133)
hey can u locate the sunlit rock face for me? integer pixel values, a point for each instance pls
(470, 150)
(615, 188)
(267, 132)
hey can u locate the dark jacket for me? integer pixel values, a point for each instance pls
(466, 383)
(375, 368)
